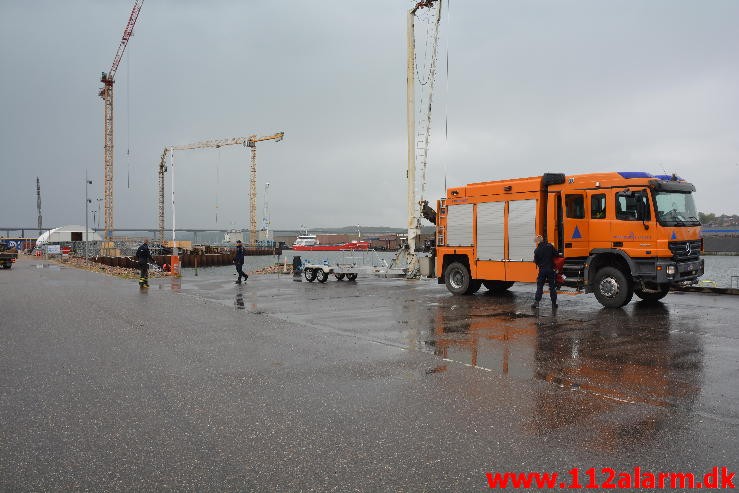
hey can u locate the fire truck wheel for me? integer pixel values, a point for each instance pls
(457, 278)
(310, 275)
(652, 296)
(351, 277)
(497, 287)
(321, 275)
(612, 288)
(339, 277)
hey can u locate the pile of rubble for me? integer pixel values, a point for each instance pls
(121, 272)
(274, 269)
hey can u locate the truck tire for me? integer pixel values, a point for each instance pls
(612, 288)
(497, 287)
(7, 265)
(321, 275)
(310, 274)
(653, 296)
(339, 277)
(457, 279)
(351, 277)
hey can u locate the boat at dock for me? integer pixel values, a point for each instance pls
(309, 243)
(314, 246)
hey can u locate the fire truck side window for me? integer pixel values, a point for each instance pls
(575, 206)
(598, 206)
(632, 206)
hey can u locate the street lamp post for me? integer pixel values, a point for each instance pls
(87, 214)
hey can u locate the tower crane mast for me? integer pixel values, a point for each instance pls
(250, 142)
(106, 92)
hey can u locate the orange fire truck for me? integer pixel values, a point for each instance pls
(619, 233)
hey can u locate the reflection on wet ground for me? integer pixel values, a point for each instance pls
(626, 372)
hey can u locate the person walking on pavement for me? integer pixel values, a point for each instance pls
(144, 257)
(544, 256)
(239, 262)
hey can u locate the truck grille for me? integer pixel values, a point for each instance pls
(685, 250)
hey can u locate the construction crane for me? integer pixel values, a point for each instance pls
(106, 92)
(251, 142)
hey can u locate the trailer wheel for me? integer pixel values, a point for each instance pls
(612, 288)
(497, 287)
(339, 277)
(457, 279)
(310, 274)
(653, 296)
(351, 277)
(321, 275)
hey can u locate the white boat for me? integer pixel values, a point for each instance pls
(305, 240)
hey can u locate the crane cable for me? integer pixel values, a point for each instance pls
(218, 180)
(128, 118)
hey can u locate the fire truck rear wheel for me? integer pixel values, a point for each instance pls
(310, 274)
(653, 296)
(612, 288)
(497, 287)
(321, 275)
(457, 278)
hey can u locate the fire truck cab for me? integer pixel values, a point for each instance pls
(620, 233)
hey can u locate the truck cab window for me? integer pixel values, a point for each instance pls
(632, 206)
(575, 206)
(598, 206)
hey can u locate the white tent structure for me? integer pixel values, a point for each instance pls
(67, 233)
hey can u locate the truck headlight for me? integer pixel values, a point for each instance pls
(670, 270)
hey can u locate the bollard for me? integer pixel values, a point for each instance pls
(196, 265)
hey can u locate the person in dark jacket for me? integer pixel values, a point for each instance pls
(239, 262)
(144, 257)
(544, 256)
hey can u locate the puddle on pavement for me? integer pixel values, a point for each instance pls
(53, 267)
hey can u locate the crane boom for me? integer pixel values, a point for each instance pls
(127, 33)
(249, 141)
(106, 92)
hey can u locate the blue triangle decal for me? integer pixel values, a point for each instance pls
(576, 234)
(674, 236)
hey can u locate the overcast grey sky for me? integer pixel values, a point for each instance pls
(533, 87)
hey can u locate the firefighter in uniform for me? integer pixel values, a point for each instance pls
(544, 256)
(239, 262)
(144, 257)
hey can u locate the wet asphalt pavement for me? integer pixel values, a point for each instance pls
(199, 384)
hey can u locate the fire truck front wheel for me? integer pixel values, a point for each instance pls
(612, 288)
(458, 280)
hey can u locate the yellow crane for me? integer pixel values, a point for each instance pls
(251, 142)
(106, 92)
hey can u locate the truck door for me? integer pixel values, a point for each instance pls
(630, 231)
(576, 229)
(600, 219)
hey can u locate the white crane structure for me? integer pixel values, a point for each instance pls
(418, 144)
(249, 141)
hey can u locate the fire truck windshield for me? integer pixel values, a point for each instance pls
(676, 209)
